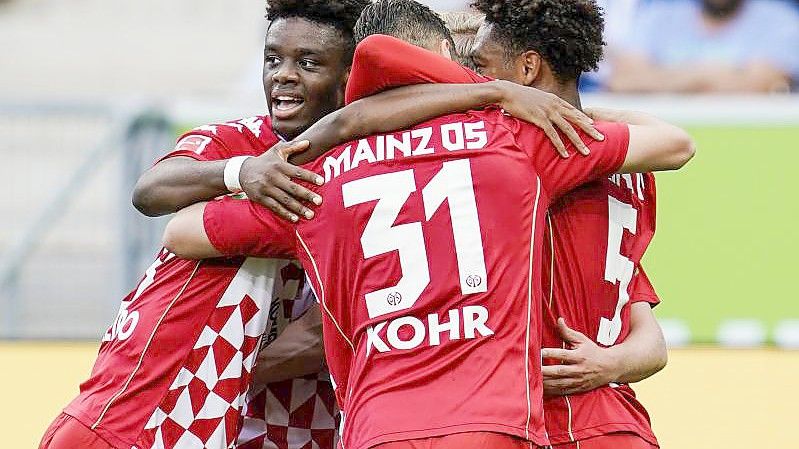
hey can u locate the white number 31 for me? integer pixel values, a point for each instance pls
(453, 183)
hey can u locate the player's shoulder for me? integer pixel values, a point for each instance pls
(248, 135)
(257, 127)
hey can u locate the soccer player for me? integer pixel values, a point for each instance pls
(427, 264)
(174, 368)
(595, 238)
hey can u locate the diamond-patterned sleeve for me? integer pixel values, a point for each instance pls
(239, 227)
(383, 62)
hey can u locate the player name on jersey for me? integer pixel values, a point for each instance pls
(466, 323)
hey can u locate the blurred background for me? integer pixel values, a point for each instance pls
(93, 91)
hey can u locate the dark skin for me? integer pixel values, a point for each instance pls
(584, 365)
(303, 60)
(307, 62)
(301, 67)
(527, 68)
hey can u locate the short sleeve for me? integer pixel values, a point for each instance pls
(199, 147)
(383, 62)
(559, 175)
(245, 137)
(239, 227)
(642, 290)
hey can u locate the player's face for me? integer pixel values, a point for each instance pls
(304, 73)
(491, 59)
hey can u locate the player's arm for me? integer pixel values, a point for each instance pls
(643, 353)
(228, 226)
(406, 106)
(383, 62)
(177, 182)
(654, 144)
(297, 351)
(585, 365)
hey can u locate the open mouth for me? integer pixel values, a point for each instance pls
(286, 106)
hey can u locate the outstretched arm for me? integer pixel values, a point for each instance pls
(655, 145)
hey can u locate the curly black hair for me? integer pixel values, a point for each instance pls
(566, 33)
(339, 14)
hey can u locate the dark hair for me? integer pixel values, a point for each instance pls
(408, 20)
(566, 33)
(339, 14)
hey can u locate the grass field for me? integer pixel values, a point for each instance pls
(727, 240)
(706, 398)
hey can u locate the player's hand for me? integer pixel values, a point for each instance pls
(550, 113)
(267, 179)
(583, 367)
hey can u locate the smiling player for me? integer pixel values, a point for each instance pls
(413, 241)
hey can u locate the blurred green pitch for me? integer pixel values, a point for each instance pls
(727, 236)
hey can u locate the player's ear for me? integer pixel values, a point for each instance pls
(531, 63)
(445, 49)
(343, 87)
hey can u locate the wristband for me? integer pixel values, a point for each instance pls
(232, 172)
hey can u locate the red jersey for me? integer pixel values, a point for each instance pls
(595, 239)
(426, 257)
(174, 367)
(592, 279)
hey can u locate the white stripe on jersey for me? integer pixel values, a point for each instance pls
(529, 309)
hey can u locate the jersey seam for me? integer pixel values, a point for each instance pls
(529, 156)
(323, 295)
(116, 396)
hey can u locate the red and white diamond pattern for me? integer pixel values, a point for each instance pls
(202, 409)
(294, 414)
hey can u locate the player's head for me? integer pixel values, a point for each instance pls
(307, 56)
(407, 20)
(539, 43)
(463, 25)
(721, 9)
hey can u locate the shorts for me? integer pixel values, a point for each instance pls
(618, 440)
(67, 432)
(467, 440)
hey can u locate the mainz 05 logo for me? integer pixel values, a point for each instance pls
(394, 298)
(474, 281)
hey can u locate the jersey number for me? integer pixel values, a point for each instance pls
(618, 268)
(453, 183)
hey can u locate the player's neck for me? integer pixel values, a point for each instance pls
(567, 91)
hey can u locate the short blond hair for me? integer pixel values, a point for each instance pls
(463, 25)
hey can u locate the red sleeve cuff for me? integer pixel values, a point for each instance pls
(213, 229)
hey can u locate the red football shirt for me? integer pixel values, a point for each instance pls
(584, 298)
(174, 367)
(595, 239)
(426, 257)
